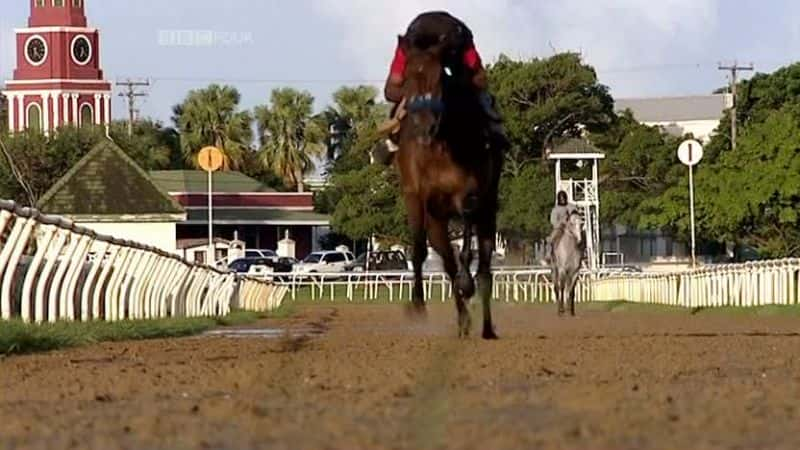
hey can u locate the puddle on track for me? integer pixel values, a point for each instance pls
(265, 333)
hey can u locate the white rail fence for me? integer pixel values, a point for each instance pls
(742, 285)
(530, 285)
(51, 269)
(762, 283)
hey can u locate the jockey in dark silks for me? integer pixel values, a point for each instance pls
(460, 47)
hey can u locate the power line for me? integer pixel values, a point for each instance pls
(734, 69)
(132, 94)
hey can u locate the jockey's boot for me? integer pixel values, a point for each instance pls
(498, 139)
(383, 152)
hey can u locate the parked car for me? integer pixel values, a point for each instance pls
(324, 262)
(261, 253)
(383, 261)
(246, 265)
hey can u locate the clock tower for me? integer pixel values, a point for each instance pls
(58, 80)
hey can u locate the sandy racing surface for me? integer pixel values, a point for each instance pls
(369, 378)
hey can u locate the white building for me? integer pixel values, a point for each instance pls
(698, 115)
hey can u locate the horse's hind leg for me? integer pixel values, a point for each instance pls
(486, 237)
(440, 240)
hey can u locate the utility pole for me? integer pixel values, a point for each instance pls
(131, 94)
(734, 69)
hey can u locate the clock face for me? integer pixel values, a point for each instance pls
(81, 50)
(36, 50)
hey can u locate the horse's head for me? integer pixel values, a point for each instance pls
(423, 88)
(574, 226)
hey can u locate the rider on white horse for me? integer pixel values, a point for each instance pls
(560, 214)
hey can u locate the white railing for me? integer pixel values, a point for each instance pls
(526, 285)
(51, 269)
(750, 284)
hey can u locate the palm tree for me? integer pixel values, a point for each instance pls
(291, 137)
(353, 116)
(210, 116)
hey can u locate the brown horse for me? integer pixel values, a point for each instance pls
(448, 171)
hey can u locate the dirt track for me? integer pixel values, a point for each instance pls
(375, 380)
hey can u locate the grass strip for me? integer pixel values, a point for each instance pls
(18, 338)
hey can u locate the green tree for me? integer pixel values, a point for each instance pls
(363, 199)
(152, 146)
(39, 161)
(353, 118)
(3, 115)
(727, 209)
(750, 196)
(369, 204)
(544, 99)
(291, 138)
(640, 164)
(526, 200)
(211, 116)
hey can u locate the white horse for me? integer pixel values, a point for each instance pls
(566, 257)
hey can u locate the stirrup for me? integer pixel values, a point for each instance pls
(393, 148)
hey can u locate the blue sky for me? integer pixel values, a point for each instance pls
(640, 47)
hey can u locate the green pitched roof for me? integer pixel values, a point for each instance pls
(106, 182)
(188, 181)
(575, 145)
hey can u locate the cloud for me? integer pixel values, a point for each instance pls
(616, 36)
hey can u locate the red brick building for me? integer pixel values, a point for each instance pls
(243, 208)
(58, 79)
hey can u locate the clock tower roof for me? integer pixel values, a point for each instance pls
(57, 13)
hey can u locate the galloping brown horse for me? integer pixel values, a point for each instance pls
(448, 171)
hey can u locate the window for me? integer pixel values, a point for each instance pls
(87, 115)
(647, 246)
(58, 3)
(252, 254)
(76, 3)
(335, 258)
(39, 3)
(312, 258)
(200, 257)
(34, 120)
(240, 266)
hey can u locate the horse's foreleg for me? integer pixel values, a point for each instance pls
(486, 237)
(464, 281)
(440, 240)
(416, 220)
(573, 281)
(558, 288)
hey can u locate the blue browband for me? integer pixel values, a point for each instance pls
(425, 102)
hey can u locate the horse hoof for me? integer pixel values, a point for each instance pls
(561, 313)
(416, 311)
(489, 334)
(464, 326)
(465, 285)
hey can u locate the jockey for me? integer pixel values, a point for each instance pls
(460, 41)
(562, 210)
(560, 214)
